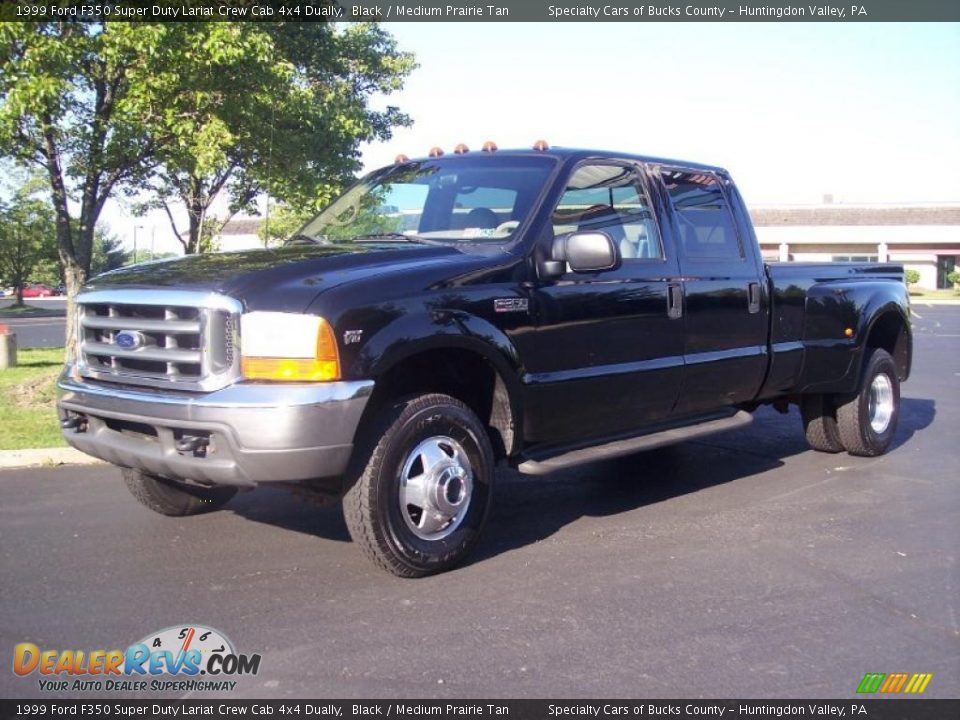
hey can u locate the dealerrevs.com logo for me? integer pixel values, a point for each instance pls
(181, 658)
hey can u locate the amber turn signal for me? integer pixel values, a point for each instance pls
(289, 369)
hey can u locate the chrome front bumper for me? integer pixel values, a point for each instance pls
(253, 432)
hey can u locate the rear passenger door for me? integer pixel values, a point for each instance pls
(726, 306)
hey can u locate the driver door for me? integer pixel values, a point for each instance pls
(607, 353)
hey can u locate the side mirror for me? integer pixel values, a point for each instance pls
(592, 251)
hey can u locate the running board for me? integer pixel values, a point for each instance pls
(628, 446)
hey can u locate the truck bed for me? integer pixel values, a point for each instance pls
(819, 317)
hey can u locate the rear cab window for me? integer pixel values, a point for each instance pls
(705, 225)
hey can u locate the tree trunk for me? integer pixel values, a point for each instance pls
(193, 241)
(74, 274)
(74, 278)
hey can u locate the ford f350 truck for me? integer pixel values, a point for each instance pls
(540, 308)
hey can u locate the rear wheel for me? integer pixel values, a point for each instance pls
(819, 414)
(424, 495)
(868, 420)
(168, 497)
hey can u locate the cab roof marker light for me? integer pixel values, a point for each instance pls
(461, 149)
(436, 152)
(400, 159)
(489, 146)
(541, 146)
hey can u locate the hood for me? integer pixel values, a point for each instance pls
(282, 279)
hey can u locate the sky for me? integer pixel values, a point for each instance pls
(868, 113)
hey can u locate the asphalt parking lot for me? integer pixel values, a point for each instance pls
(34, 332)
(743, 565)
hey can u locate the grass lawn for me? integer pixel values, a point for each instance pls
(946, 294)
(28, 412)
(11, 311)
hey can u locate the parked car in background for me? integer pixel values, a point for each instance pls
(37, 290)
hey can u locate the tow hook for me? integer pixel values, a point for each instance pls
(193, 444)
(77, 423)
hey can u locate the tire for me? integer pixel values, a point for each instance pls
(414, 529)
(819, 414)
(868, 419)
(172, 498)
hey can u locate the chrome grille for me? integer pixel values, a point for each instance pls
(178, 339)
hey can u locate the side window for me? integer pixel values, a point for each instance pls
(610, 198)
(705, 223)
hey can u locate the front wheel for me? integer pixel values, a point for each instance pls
(867, 421)
(172, 498)
(424, 495)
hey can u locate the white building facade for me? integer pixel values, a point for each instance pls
(925, 238)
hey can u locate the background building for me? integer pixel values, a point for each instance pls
(924, 237)
(239, 234)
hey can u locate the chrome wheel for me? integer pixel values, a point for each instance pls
(880, 403)
(436, 483)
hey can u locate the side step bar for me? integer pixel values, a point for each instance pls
(627, 446)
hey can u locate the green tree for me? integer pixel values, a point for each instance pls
(108, 253)
(110, 105)
(280, 108)
(73, 101)
(912, 276)
(282, 222)
(27, 239)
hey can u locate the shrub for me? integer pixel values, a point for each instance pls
(913, 277)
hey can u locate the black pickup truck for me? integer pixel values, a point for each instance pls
(541, 308)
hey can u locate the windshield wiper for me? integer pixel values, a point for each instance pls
(301, 240)
(391, 237)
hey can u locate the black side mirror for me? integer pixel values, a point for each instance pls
(593, 251)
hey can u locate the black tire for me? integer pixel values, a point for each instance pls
(863, 429)
(819, 414)
(172, 498)
(381, 524)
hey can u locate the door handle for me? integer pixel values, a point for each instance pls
(674, 301)
(753, 297)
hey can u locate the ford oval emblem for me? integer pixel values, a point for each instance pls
(130, 339)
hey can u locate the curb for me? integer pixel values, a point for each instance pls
(44, 457)
(934, 301)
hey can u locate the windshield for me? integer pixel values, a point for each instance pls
(453, 200)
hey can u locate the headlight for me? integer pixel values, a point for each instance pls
(288, 347)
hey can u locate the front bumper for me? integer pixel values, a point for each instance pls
(253, 432)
